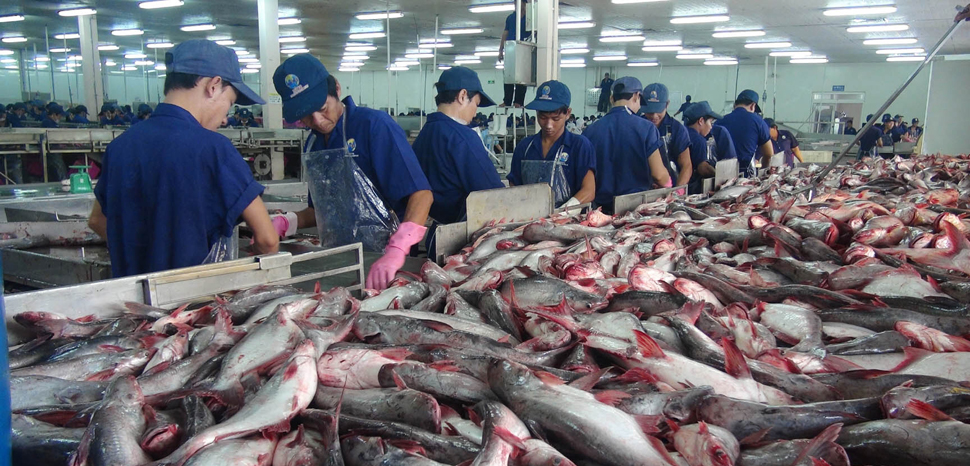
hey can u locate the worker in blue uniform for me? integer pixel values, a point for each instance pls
(850, 130)
(565, 161)
(172, 189)
(870, 141)
(144, 113)
(627, 148)
(37, 111)
(784, 141)
(80, 115)
(899, 128)
(683, 106)
(246, 119)
(700, 119)
(915, 130)
(312, 95)
(54, 114)
(111, 115)
(723, 144)
(749, 132)
(15, 119)
(514, 93)
(450, 153)
(233, 120)
(675, 150)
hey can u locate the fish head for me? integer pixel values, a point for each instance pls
(367, 326)
(125, 390)
(707, 445)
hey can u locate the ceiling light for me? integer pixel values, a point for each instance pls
(243, 53)
(896, 41)
(407, 62)
(642, 63)
(57, 50)
(627, 2)
(860, 10)
(576, 24)
(878, 28)
(254, 66)
(248, 60)
(914, 50)
(160, 67)
(160, 4)
(720, 62)
(67, 36)
(129, 68)
(695, 56)
(730, 34)
(110, 63)
(108, 47)
(351, 63)
(623, 38)
(226, 42)
(135, 55)
(380, 15)
(77, 12)
(39, 58)
(905, 58)
(7, 52)
(14, 40)
(610, 58)
(295, 51)
(127, 32)
(160, 45)
(767, 45)
(492, 8)
(663, 48)
(434, 41)
(415, 55)
(75, 58)
(440, 45)
(457, 31)
(467, 62)
(289, 39)
(348, 69)
(198, 27)
(144, 63)
(657, 43)
(808, 61)
(397, 68)
(248, 71)
(360, 48)
(8, 60)
(11, 18)
(368, 35)
(355, 54)
(500, 66)
(700, 19)
(572, 60)
(487, 53)
(791, 53)
(444, 67)
(288, 21)
(574, 51)
(572, 65)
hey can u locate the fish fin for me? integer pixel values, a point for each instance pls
(562, 308)
(672, 425)
(80, 456)
(755, 438)
(734, 363)
(648, 424)
(588, 381)
(473, 416)
(102, 376)
(637, 374)
(396, 304)
(504, 339)
(437, 326)
(157, 368)
(817, 446)
(611, 397)
(912, 355)
(508, 437)
(444, 366)
(691, 312)
(548, 378)
(529, 273)
(111, 348)
(924, 410)
(409, 446)
(86, 319)
(648, 346)
(839, 365)
(661, 450)
(819, 461)
(565, 320)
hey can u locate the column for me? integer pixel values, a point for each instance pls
(269, 58)
(93, 87)
(547, 25)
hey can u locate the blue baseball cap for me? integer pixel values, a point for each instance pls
(869, 117)
(208, 59)
(748, 94)
(20, 106)
(627, 85)
(55, 109)
(460, 77)
(80, 109)
(655, 97)
(887, 118)
(301, 81)
(699, 110)
(551, 96)
(245, 113)
(144, 108)
(37, 103)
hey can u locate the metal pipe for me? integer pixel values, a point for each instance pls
(387, 34)
(892, 98)
(47, 42)
(774, 92)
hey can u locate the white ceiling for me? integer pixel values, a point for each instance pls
(326, 24)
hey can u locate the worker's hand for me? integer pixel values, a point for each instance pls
(681, 191)
(571, 202)
(285, 224)
(501, 55)
(383, 271)
(963, 15)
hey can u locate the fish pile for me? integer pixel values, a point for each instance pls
(753, 327)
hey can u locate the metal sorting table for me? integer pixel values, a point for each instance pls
(265, 146)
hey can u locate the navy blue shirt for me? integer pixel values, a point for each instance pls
(48, 123)
(116, 121)
(700, 152)
(786, 142)
(14, 121)
(684, 106)
(170, 190)
(850, 131)
(679, 139)
(510, 27)
(382, 151)
(576, 149)
(898, 133)
(606, 87)
(456, 163)
(623, 143)
(868, 140)
(749, 132)
(723, 144)
(80, 119)
(232, 122)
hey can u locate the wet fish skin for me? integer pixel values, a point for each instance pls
(100, 366)
(115, 430)
(880, 343)
(648, 302)
(32, 391)
(252, 451)
(197, 415)
(550, 292)
(881, 319)
(679, 405)
(34, 351)
(942, 397)
(442, 384)
(895, 442)
(39, 443)
(865, 385)
(499, 312)
(241, 305)
(406, 406)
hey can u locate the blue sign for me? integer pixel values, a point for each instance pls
(838, 88)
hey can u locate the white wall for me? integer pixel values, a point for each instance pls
(946, 123)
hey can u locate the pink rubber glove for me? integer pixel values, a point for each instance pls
(383, 271)
(669, 183)
(285, 224)
(681, 192)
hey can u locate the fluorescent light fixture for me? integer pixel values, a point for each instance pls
(434, 41)
(108, 47)
(57, 50)
(695, 56)
(143, 63)
(571, 61)
(198, 27)
(367, 35)
(700, 19)
(254, 66)
(360, 48)
(407, 62)
(487, 53)
(466, 57)
(860, 10)
(243, 53)
(135, 55)
(915, 50)
(67, 36)
(444, 67)
(642, 63)
(75, 58)
(576, 24)
(351, 63)
(623, 38)
(155, 4)
(248, 60)
(348, 69)
(11, 18)
(791, 53)
(8, 60)
(295, 51)
(397, 68)
(439, 45)
(77, 12)
(730, 34)
(288, 21)
(720, 62)
(662, 43)
(610, 58)
(39, 58)
(159, 45)
(468, 62)
(500, 66)
(415, 55)
(13, 39)
(160, 67)
(110, 63)
(808, 61)
(226, 42)
(663, 48)
(289, 39)
(129, 68)
(878, 28)
(767, 45)
(361, 54)
(905, 58)
(628, 2)
(459, 31)
(572, 65)
(4, 52)
(127, 32)
(492, 8)
(380, 15)
(248, 71)
(574, 51)
(896, 41)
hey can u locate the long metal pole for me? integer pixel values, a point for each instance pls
(47, 42)
(929, 57)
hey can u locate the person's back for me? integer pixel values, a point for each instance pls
(745, 128)
(724, 145)
(619, 137)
